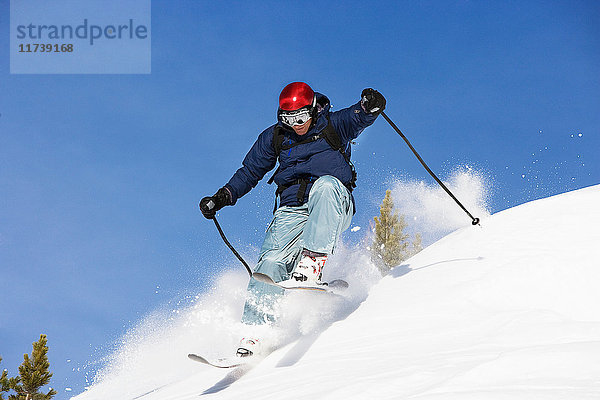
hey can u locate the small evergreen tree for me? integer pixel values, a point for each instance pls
(389, 246)
(33, 374)
(4, 383)
(417, 244)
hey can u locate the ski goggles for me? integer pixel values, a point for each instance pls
(297, 117)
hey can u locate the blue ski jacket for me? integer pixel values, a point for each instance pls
(307, 161)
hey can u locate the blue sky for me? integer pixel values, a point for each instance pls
(100, 175)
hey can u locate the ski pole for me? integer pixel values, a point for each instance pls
(474, 220)
(230, 246)
(211, 205)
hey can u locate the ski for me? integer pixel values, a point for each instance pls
(231, 362)
(333, 287)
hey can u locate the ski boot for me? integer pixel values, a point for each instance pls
(309, 270)
(248, 347)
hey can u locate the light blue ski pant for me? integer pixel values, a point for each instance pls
(315, 225)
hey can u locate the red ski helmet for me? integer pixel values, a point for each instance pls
(295, 96)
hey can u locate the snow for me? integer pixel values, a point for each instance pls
(428, 209)
(508, 310)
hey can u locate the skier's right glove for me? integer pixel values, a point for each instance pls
(210, 205)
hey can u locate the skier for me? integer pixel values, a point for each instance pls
(314, 182)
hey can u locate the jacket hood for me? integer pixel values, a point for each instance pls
(322, 102)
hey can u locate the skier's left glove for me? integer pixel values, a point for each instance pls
(210, 205)
(372, 101)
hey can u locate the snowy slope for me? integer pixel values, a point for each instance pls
(508, 310)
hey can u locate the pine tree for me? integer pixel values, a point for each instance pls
(389, 246)
(33, 374)
(4, 382)
(7, 384)
(417, 244)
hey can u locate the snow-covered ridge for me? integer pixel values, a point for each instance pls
(508, 310)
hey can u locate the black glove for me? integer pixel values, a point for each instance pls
(210, 205)
(372, 101)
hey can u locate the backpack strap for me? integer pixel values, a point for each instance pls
(335, 141)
